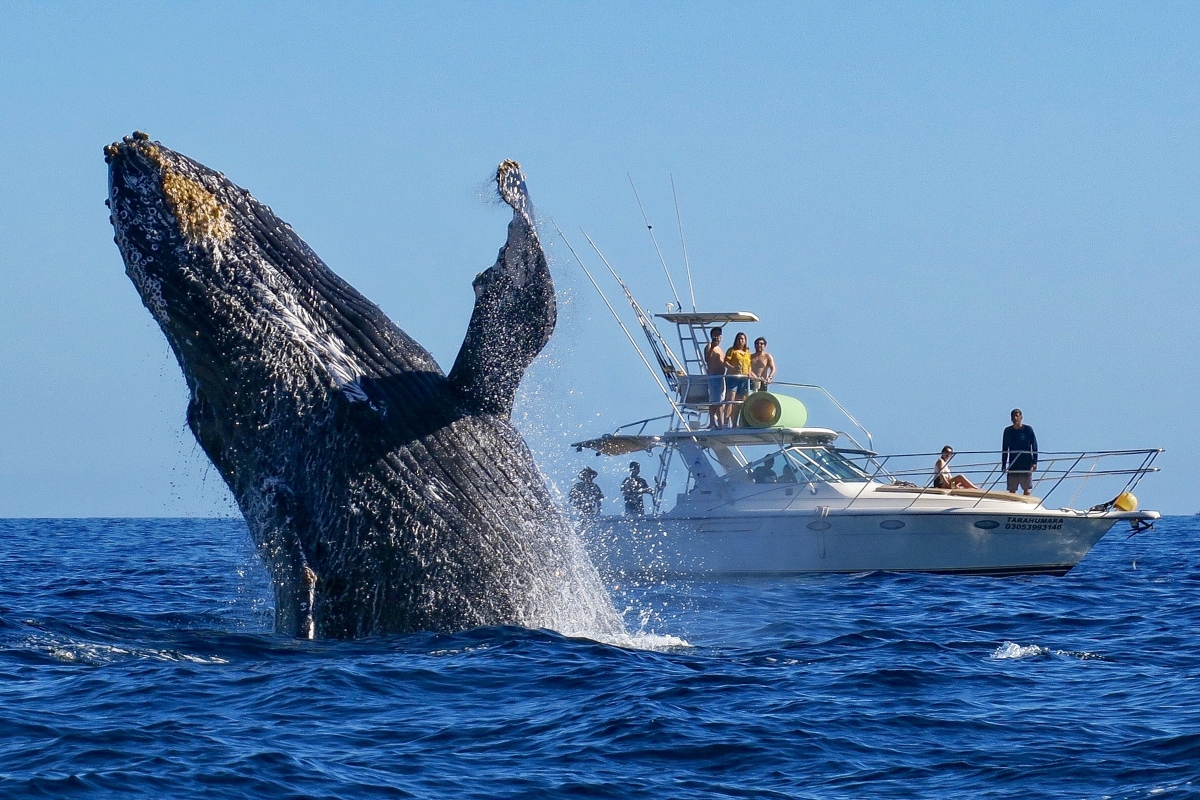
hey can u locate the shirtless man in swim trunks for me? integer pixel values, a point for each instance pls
(762, 365)
(714, 362)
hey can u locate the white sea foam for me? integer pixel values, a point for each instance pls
(1014, 650)
(73, 652)
(658, 642)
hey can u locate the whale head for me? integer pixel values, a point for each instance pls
(241, 299)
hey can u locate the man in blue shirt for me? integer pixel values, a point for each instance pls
(1019, 454)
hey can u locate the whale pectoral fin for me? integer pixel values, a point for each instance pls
(514, 310)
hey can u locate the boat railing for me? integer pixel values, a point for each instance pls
(1118, 470)
(693, 397)
(639, 428)
(812, 387)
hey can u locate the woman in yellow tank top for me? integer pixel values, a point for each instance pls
(737, 375)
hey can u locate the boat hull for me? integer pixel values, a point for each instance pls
(766, 544)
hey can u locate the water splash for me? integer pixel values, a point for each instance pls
(1012, 650)
(547, 412)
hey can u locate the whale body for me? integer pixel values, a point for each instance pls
(383, 495)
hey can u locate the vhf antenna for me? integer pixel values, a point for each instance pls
(686, 265)
(650, 228)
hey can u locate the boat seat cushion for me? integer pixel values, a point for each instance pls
(963, 493)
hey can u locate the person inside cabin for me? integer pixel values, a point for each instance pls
(714, 363)
(762, 366)
(586, 496)
(737, 378)
(942, 477)
(765, 472)
(633, 489)
(789, 473)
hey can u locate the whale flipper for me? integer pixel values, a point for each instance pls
(514, 311)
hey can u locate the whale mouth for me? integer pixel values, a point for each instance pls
(173, 223)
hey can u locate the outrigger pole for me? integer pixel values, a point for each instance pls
(667, 361)
(666, 392)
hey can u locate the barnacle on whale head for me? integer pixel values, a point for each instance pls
(199, 214)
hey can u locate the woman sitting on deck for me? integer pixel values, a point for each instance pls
(942, 479)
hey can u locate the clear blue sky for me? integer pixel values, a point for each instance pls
(939, 211)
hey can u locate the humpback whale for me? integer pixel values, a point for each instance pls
(383, 495)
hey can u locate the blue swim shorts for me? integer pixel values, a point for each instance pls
(738, 384)
(716, 388)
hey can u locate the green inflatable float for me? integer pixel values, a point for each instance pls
(771, 410)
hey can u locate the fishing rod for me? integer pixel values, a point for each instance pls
(666, 392)
(667, 361)
(649, 227)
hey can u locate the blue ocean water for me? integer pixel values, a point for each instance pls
(137, 660)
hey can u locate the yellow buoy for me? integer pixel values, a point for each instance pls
(1126, 502)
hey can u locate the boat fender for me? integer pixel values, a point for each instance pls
(1126, 501)
(773, 410)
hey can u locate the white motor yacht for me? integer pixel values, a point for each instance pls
(776, 495)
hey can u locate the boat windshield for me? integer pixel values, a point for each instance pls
(822, 465)
(799, 464)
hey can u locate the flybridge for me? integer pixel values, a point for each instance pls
(708, 317)
(618, 444)
(694, 328)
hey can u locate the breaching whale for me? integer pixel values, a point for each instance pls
(383, 494)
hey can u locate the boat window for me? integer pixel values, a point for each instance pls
(821, 465)
(771, 468)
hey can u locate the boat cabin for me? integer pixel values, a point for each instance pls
(729, 459)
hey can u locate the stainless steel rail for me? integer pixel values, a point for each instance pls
(1054, 468)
